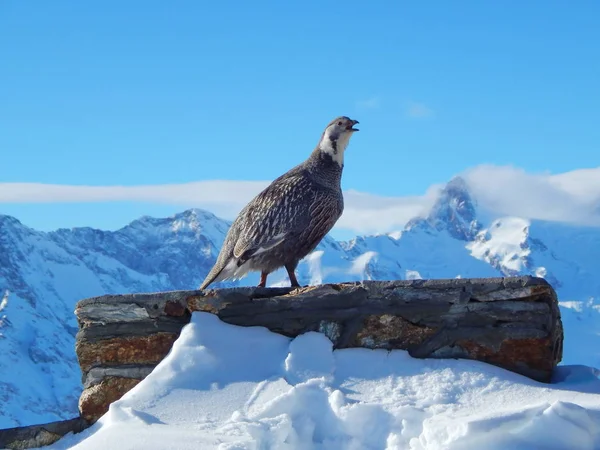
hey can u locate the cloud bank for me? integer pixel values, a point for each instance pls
(222, 197)
(571, 197)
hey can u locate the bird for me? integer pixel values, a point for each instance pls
(288, 219)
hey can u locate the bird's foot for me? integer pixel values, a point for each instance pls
(263, 280)
(292, 276)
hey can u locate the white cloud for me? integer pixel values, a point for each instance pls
(213, 191)
(368, 213)
(583, 183)
(363, 212)
(222, 197)
(370, 103)
(419, 111)
(569, 197)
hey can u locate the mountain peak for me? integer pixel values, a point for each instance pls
(195, 214)
(456, 186)
(9, 220)
(454, 211)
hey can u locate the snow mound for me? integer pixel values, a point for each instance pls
(227, 387)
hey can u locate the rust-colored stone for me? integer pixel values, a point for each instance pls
(174, 309)
(95, 400)
(125, 350)
(536, 354)
(301, 290)
(391, 332)
(542, 290)
(205, 304)
(540, 293)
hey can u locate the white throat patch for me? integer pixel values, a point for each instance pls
(336, 152)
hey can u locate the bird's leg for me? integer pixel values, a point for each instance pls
(263, 279)
(291, 273)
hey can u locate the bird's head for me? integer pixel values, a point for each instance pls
(336, 137)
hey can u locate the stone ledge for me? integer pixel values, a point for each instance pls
(513, 323)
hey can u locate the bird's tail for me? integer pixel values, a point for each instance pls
(236, 268)
(230, 271)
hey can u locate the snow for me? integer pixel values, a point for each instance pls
(3, 305)
(229, 387)
(504, 242)
(315, 271)
(38, 375)
(581, 323)
(360, 264)
(413, 275)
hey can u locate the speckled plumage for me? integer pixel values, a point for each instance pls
(289, 218)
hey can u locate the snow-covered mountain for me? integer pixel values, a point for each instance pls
(45, 274)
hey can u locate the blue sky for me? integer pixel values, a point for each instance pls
(163, 93)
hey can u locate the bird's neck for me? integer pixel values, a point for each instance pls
(324, 168)
(334, 147)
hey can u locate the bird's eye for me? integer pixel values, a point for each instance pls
(340, 123)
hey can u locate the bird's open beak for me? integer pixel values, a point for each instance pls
(351, 127)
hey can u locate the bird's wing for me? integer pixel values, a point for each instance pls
(278, 213)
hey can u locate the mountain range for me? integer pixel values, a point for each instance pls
(43, 275)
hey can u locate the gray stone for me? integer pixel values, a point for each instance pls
(106, 313)
(95, 331)
(96, 374)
